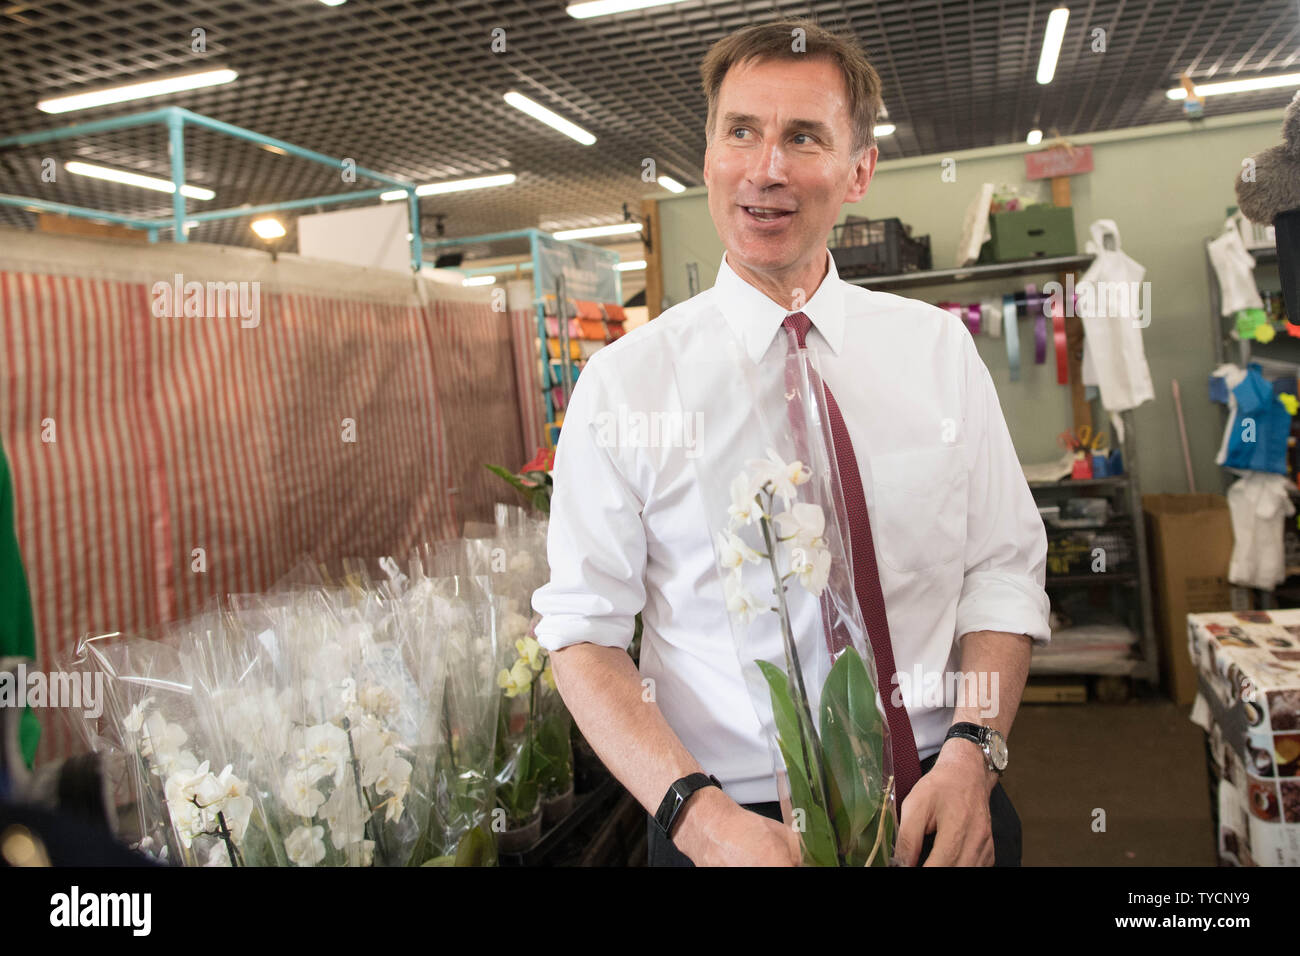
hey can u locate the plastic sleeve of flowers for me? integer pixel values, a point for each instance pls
(240, 716)
(151, 716)
(341, 773)
(460, 820)
(770, 488)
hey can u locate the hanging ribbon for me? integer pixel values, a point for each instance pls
(1058, 333)
(993, 318)
(1012, 331)
(1034, 306)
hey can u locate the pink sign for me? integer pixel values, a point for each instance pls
(1058, 161)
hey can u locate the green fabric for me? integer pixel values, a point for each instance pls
(17, 632)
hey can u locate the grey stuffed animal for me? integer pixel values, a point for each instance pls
(1272, 195)
(1276, 182)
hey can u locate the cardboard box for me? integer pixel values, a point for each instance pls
(1190, 540)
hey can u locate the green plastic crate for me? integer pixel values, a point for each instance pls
(1035, 232)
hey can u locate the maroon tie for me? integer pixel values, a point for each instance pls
(866, 583)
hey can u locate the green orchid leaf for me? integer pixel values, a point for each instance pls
(845, 734)
(788, 725)
(475, 849)
(817, 835)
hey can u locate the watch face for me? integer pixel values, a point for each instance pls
(998, 751)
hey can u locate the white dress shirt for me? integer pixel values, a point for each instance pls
(959, 542)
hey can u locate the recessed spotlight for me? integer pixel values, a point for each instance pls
(267, 228)
(1035, 137)
(883, 129)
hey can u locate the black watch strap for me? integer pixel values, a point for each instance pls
(671, 807)
(972, 732)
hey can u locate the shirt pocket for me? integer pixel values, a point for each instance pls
(919, 517)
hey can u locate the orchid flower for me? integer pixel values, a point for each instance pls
(733, 551)
(305, 845)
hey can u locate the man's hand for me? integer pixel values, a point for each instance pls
(952, 800)
(716, 831)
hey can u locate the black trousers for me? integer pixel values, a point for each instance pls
(1005, 821)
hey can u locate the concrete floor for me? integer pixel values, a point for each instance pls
(1142, 762)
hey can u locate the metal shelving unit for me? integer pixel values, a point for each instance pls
(1282, 349)
(1126, 488)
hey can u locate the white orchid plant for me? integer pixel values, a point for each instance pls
(836, 766)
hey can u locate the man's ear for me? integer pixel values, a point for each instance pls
(862, 172)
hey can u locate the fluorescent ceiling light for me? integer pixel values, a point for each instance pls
(452, 186)
(1035, 137)
(632, 265)
(1238, 86)
(136, 91)
(672, 185)
(135, 179)
(622, 229)
(884, 129)
(1052, 38)
(603, 8)
(479, 280)
(539, 112)
(267, 228)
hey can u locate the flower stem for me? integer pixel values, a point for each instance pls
(808, 736)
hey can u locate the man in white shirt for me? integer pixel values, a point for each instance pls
(959, 544)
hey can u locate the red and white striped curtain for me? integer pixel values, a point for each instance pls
(160, 462)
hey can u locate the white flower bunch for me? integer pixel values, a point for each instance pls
(357, 761)
(792, 537)
(202, 803)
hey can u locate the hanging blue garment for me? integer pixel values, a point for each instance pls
(1260, 430)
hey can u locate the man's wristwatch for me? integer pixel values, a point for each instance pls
(677, 796)
(987, 739)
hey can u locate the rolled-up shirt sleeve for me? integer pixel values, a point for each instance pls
(1006, 544)
(596, 541)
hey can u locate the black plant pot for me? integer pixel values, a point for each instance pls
(1287, 227)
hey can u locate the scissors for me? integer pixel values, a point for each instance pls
(1083, 438)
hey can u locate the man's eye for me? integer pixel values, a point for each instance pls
(807, 137)
(736, 130)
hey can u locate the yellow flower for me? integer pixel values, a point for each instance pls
(507, 682)
(548, 677)
(530, 651)
(521, 676)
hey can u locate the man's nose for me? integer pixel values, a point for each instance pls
(770, 166)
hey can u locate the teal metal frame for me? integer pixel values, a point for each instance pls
(175, 119)
(551, 378)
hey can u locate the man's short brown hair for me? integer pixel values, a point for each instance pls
(777, 41)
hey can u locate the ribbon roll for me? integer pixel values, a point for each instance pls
(1058, 333)
(1034, 305)
(993, 317)
(1013, 335)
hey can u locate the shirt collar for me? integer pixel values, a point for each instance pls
(754, 318)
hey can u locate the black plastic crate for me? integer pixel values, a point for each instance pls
(877, 247)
